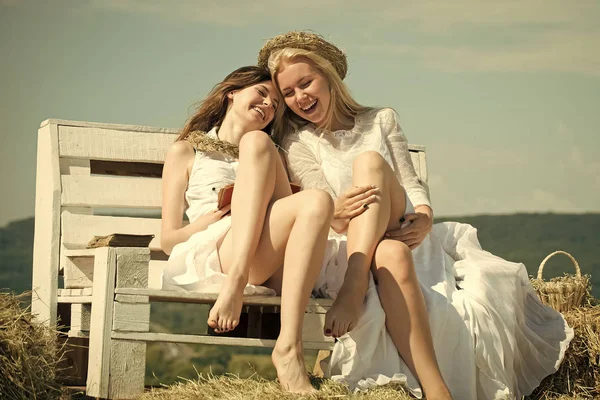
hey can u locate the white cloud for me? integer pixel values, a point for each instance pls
(556, 51)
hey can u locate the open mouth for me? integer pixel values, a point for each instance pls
(260, 112)
(310, 107)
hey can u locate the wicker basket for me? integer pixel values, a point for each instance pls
(563, 293)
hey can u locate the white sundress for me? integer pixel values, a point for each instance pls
(493, 338)
(194, 265)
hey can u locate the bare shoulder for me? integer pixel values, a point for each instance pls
(181, 148)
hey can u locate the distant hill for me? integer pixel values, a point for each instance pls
(525, 238)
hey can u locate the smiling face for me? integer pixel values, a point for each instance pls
(254, 105)
(305, 90)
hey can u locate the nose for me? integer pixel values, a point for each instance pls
(267, 101)
(300, 95)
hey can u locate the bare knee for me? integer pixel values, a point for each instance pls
(369, 160)
(317, 205)
(257, 143)
(393, 259)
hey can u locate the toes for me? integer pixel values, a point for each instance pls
(212, 322)
(328, 326)
(335, 329)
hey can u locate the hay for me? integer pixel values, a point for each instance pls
(202, 142)
(579, 374)
(231, 387)
(29, 353)
(306, 41)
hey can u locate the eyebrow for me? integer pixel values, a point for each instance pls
(297, 82)
(275, 100)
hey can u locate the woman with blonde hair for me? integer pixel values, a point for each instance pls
(411, 299)
(267, 236)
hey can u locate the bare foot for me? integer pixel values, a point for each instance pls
(291, 371)
(442, 394)
(224, 316)
(343, 315)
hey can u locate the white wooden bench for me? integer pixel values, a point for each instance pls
(98, 179)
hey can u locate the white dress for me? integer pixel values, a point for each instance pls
(493, 338)
(194, 265)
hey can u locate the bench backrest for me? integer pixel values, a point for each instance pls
(97, 179)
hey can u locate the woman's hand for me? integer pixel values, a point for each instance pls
(212, 217)
(414, 233)
(354, 202)
(351, 204)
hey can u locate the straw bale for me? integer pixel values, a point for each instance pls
(579, 374)
(29, 353)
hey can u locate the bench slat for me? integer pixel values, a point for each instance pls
(115, 145)
(315, 305)
(110, 191)
(215, 340)
(79, 229)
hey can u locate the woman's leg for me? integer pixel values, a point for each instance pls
(364, 233)
(400, 291)
(254, 189)
(407, 320)
(294, 235)
(293, 232)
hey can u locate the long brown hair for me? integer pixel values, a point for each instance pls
(211, 110)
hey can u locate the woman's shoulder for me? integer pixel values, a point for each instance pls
(378, 114)
(380, 119)
(180, 149)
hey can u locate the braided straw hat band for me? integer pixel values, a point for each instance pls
(306, 41)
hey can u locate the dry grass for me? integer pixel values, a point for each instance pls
(29, 353)
(231, 387)
(579, 374)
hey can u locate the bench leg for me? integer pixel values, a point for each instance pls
(317, 370)
(116, 368)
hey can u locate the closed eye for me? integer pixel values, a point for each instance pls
(305, 84)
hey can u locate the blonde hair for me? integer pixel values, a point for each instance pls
(342, 105)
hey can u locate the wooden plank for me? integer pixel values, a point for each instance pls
(133, 299)
(127, 368)
(215, 340)
(117, 127)
(132, 267)
(101, 326)
(78, 271)
(75, 333)
(75, 292)
(79, 252)
(131, 317)
(46, 240)
(115, 145)
(74, 299)
(74, 166)
(81, 316)
(110, 191)
(79, 229)
(318, 306)
(312, 328)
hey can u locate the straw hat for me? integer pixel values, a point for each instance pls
(306, 41)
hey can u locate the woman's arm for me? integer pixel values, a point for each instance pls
(401, 159)
(422, 220)
(178, 164)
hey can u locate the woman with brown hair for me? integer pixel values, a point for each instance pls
(267, 241)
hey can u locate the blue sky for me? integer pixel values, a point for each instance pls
(505, 95)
